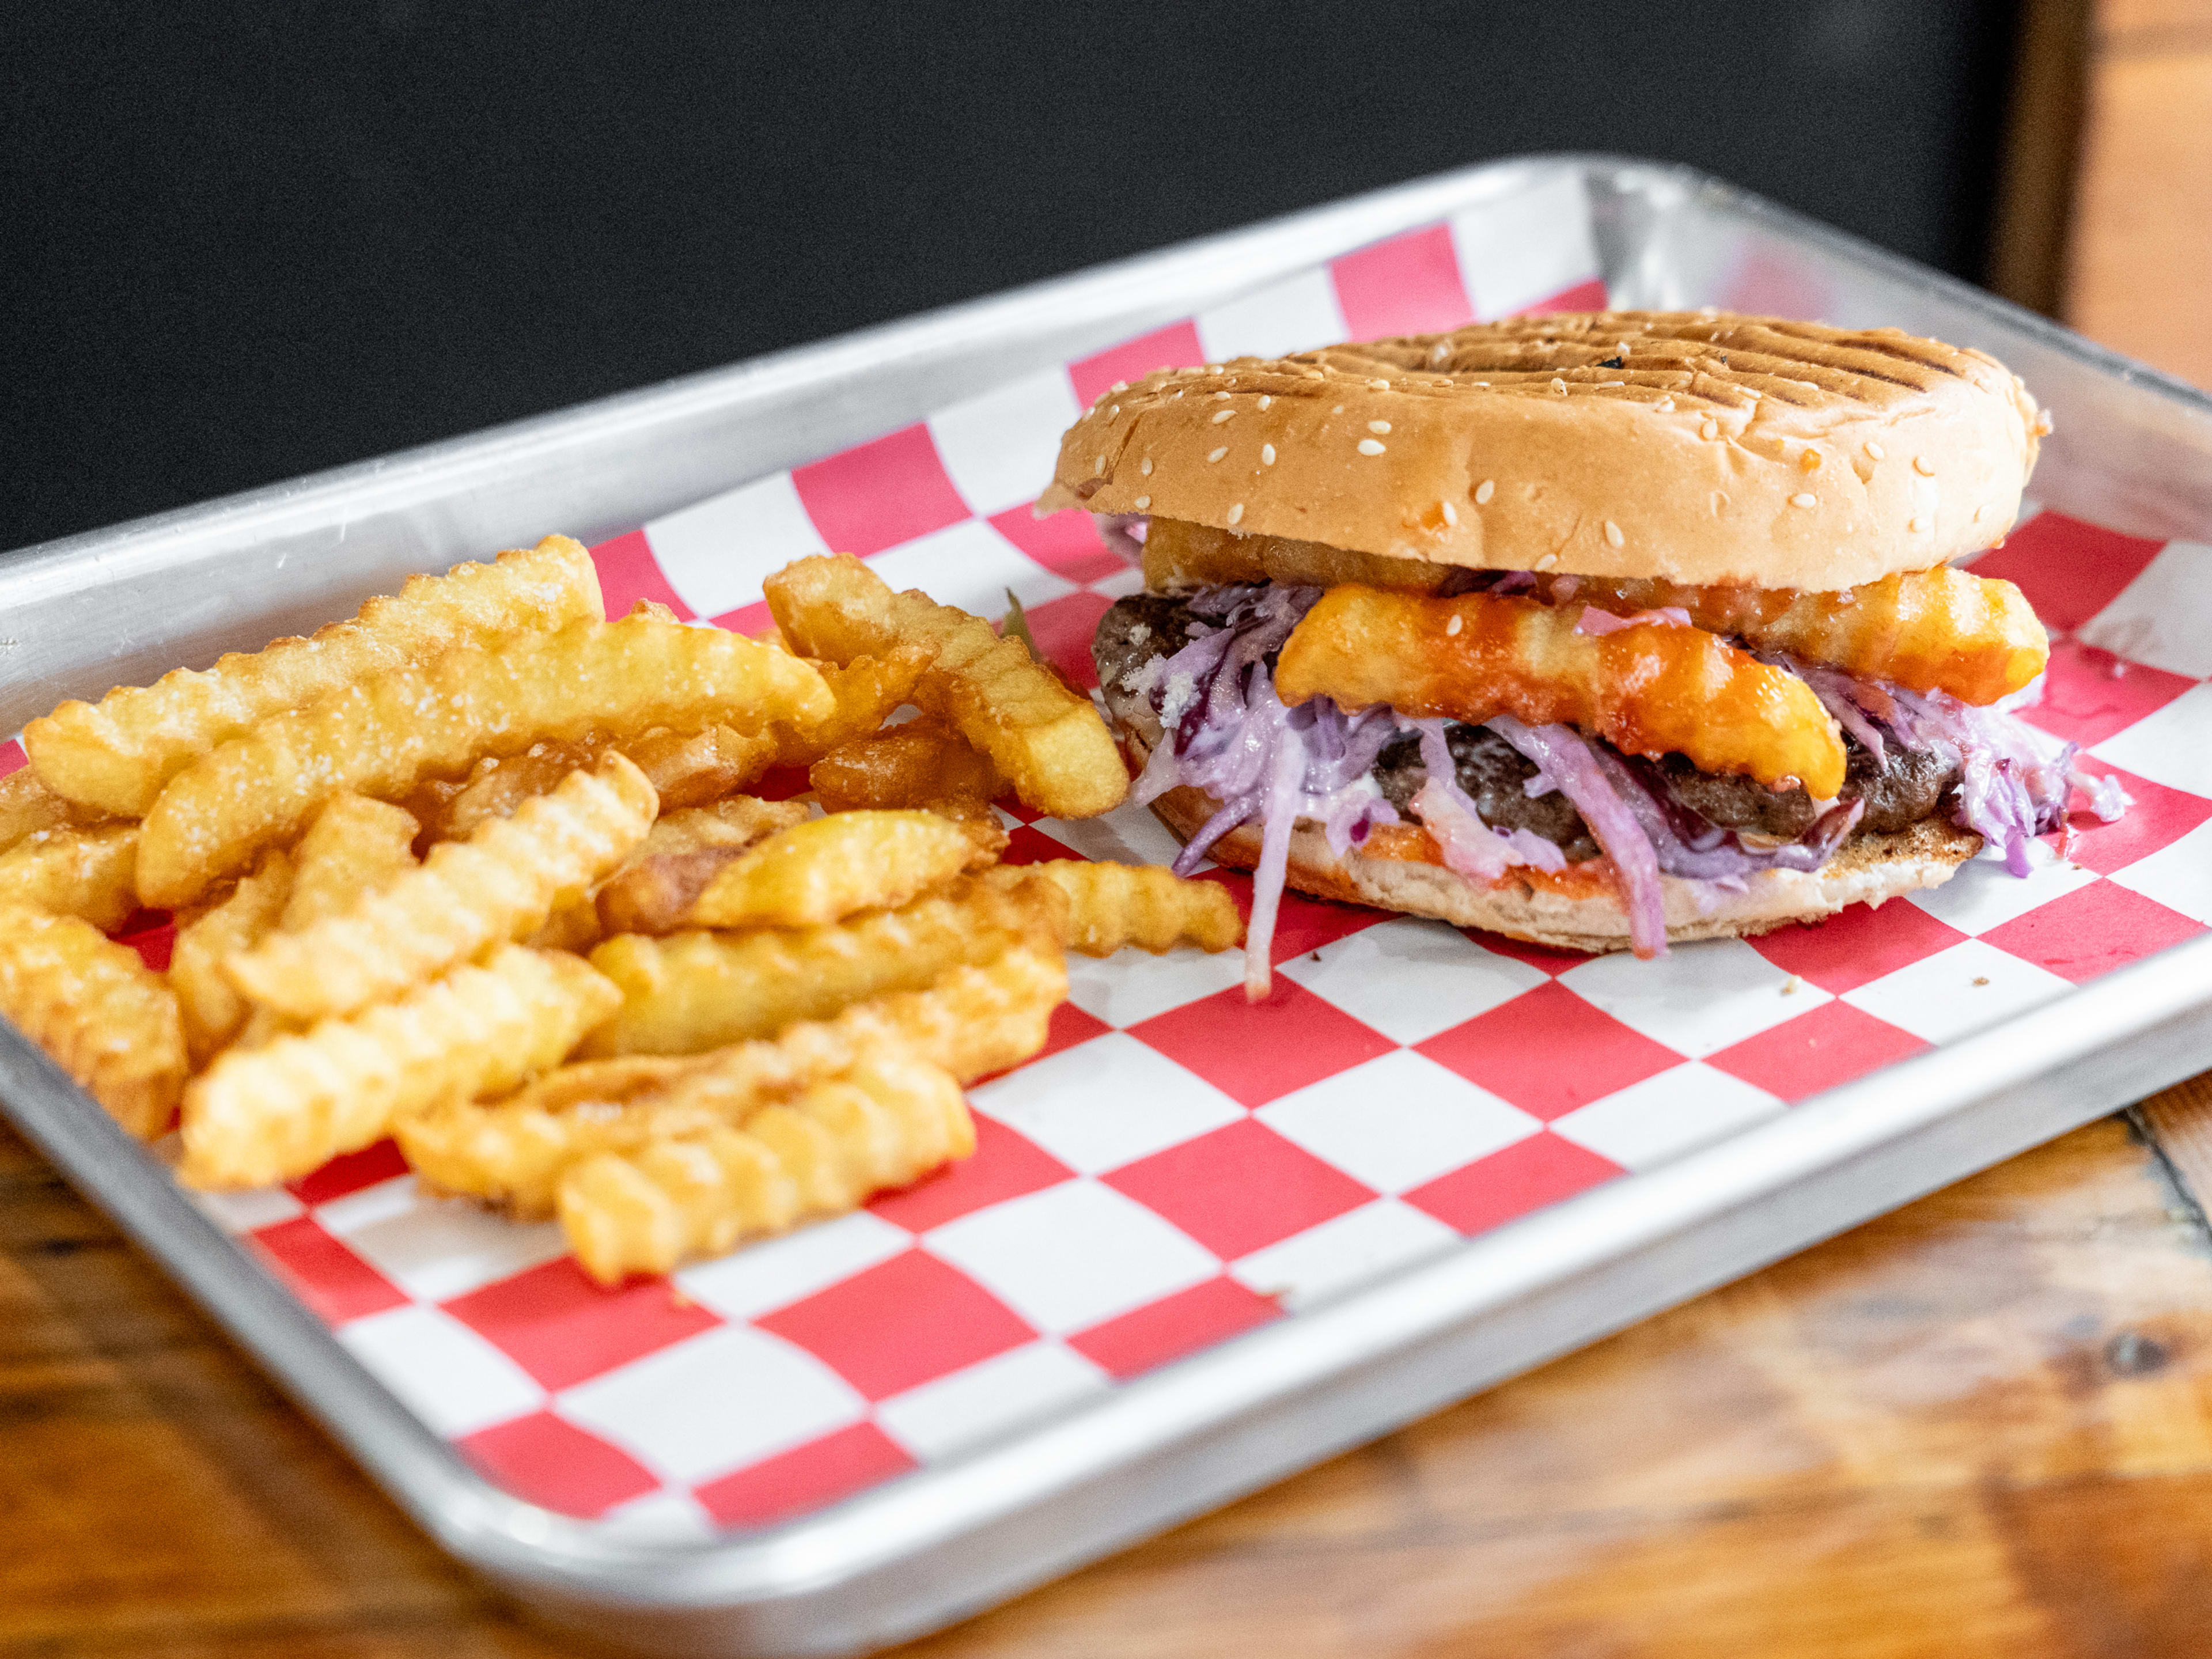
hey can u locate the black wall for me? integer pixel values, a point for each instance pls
(239, 241)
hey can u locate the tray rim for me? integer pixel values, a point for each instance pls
(525, 1545)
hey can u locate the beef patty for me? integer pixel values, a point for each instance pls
(1903, 787)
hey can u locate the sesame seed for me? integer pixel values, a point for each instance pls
(1559, 386)
(1665, 405)
(1709, 430)
(1119, 386)
(1267, 454)
(1221, 394)
(1143, 502)
(1485, 384)
(1147, 467)
(1484, 490)
(1548, 560)
(1805, 498)
(1101, 467)
(1339, 409)
(1451, 513)
(1914, 525)
(1216, 454)
(1379, 386)
(1112, 412)
(1379, 429)
(1236, 513)
(1369, 446)
(1612, 533)
(1315, 375)
(1874, 449)
(1221, 415)
(1606, 383)
(1454, 624)
(1266, 402)
(1213, 368)
(1920, 466)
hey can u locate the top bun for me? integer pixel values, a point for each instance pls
(1697, 446)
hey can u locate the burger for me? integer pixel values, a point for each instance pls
(1598, 630)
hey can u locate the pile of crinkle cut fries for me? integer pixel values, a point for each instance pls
(475, 871)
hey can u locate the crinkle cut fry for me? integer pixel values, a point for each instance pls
(383, 735)
(1648, 689)
(90, 874)
(118, 753)
(28, 805)
(1113, 905)
(1045, 739)
(827, 868)
(1927, 631)
(915, 764)
(500, 884)
(214, 1013)
(974, 1021)
(98, 1012)
(681, 854)
(354, 843)
(886, 1122)
(283, 1110)
(692, 992)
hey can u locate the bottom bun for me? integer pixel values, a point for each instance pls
(1587, 915)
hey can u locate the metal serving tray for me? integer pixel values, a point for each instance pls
(2133, 451)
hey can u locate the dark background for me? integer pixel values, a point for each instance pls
(244, 241)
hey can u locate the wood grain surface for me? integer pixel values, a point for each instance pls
(1978, 1426)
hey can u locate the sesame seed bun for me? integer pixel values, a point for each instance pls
(1704, 448)
(1580, 909)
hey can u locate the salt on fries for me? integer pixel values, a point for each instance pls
(390, 846)
(1046, 739)
(116, 754)
(98, 1011)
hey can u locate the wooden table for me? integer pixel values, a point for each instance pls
(1978, 1426)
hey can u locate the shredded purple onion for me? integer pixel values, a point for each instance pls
(1124, 534)
(1471, 848)
(1561, 755)
(1594, 621)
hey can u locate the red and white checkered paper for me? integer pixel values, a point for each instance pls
(1179, 1167)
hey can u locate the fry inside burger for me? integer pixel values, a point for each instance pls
(1600, 630)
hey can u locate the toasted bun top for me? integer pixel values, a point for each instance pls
(1699, 447)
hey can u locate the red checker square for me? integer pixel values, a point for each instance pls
(2092, 931)
(318, 1269)
(1410, 284)
(152, 935)
(751, 620)
(1240, 1189)
(2158, 817)
(1588, 294)
(1857, 945)
(2069, 570)
(1301, 924)
(805, 1478)
(1066, 543)
(1833, 1044)
(349, 1172)
(1547, 1051)
(547, 1460)
(1175, 346)
(877, 494)
(1173, 1326)
(1005, 1165)
(2089, 695)
(1069, 1026)
(899, 1324)
(780, 783)
(1524, 1178)
(561, 1328)
(1256, 1051)
(1541, 957)
(12, 757)
(1027, 844)
(629, 573)
(1063, 627)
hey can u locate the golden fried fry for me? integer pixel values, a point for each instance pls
(268, 1113)
(496, 787)
(214, 1013)
(972, 1021)
(1926, 630)
(500, 884)
(75, 872)
(574, 925)
(978, 822)
(98, 1011)
(1650, 689)
(353, 844)
(910, 765)
(888, 1121)
(820, 871)
(693, 991)
(380, 737)
(118, 753)
(869, 689)
(1111, 905)
(691, 768)
(1046, 740)
(27, 806)
(681, 855)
